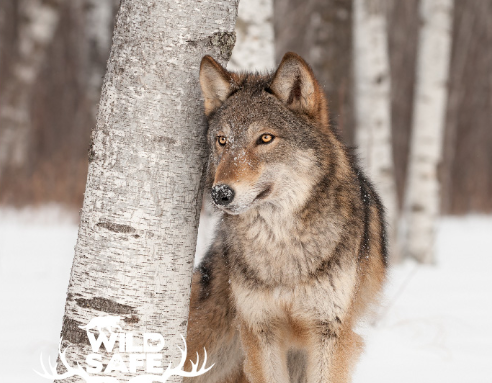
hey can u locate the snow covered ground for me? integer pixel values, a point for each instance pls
(439, 326)
(436, 325)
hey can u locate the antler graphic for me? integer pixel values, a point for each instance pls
(70, 370)
(148, 378)
(178, 370)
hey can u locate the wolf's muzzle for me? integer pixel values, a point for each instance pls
(222, 194)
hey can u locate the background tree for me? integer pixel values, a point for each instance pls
(466, 170)
(63, 99)
(403, 25)
(38, 22)
(137, 234)
(62, 105)
(373, 105)
(423, 195)
(254, 48)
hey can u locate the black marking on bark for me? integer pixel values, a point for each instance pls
(91, 151)
(72, 333)
(164, 139)
(116, 228)
(132, 319)
(225, 42)
(105, 305)
(184, 323)
(417, 208)
(380, 78)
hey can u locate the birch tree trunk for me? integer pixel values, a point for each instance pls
(433, 60)
(137, 235)
(39, 20)
(373, 106)
(254, 49)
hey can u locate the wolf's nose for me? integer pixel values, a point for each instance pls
(222, 195)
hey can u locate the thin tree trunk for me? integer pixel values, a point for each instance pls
(403, 20)
(137, 236)
(255, 42)
(373, 106)
(422, 200)
(39, 20)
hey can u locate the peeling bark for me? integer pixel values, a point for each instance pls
(137, 236)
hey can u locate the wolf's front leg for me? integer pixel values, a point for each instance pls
(332, 354)
(212, 325)
(266, 354)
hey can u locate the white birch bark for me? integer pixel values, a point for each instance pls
(433, 60)
(137, 235)
(372, 101)
(254, 48)
(39, 20)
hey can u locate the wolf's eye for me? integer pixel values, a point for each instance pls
(222, 140)
(265, 139)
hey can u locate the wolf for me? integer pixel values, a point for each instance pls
(299, 254)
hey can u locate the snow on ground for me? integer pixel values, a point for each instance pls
(436, 325)
(36, 251)
(439, 326)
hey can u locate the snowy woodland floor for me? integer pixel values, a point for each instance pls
(436, 325)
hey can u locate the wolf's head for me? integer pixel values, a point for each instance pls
(267, 135)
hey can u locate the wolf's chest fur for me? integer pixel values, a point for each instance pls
(276, 269)
(279, 248)
(296, 306)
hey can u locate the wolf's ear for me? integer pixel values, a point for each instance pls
(294, 84)
(216, 83)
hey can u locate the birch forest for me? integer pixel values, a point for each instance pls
(404, 80)
(86, 86)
